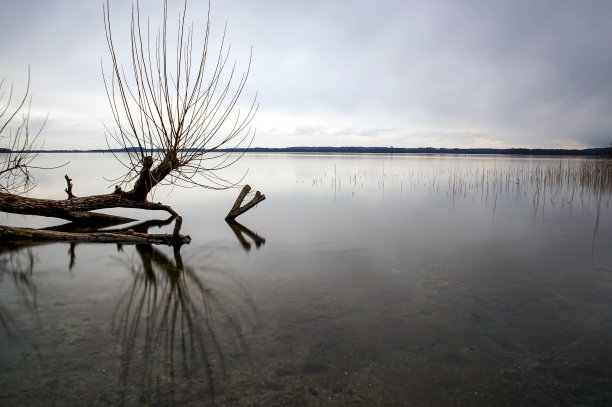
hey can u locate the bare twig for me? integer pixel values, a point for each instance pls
(17, 141)
(178, 114)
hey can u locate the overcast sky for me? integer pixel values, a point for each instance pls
(338, 73)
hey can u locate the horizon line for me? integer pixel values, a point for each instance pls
(364, 149)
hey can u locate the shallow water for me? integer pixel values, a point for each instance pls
(361, 280)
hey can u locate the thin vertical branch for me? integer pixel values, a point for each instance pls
(17, 142)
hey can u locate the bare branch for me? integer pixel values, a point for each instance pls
(17, 141)
(176, 113)
(237, 209)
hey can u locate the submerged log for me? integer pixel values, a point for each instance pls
(10, 245)
(12, 234)
(238, 210)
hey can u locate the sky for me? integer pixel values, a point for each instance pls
(470, 73)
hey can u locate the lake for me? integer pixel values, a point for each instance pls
(362, 280)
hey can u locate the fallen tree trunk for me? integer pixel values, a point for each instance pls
(77, 209)
(10, 245)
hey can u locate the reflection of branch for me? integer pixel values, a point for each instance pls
(143, 227)
(72, 255)
(167, 324)
(79, 227)
(241, 230)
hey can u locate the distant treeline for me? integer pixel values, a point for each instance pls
(385, 150)
(432, 150)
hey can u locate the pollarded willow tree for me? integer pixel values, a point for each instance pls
(176, 108)
(176, 116)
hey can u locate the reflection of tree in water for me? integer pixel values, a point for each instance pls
(179, 338)
(176, 333)
(17, 265)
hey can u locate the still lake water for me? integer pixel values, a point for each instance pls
(362, 280)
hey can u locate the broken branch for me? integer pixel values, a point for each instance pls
(69, 188)
(238, 210)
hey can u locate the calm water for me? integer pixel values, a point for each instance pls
(361, 280)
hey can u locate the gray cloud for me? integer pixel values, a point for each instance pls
(452, 73)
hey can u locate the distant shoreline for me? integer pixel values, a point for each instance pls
(386, 150)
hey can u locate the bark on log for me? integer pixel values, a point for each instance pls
(77, 209)
(177, 227)
(12, 234)
(150, 178)
(238, 210)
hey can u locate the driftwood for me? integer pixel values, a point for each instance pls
(238, 210)
(142, 228)
(85, 224)
(12, 234)
(77, 209)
